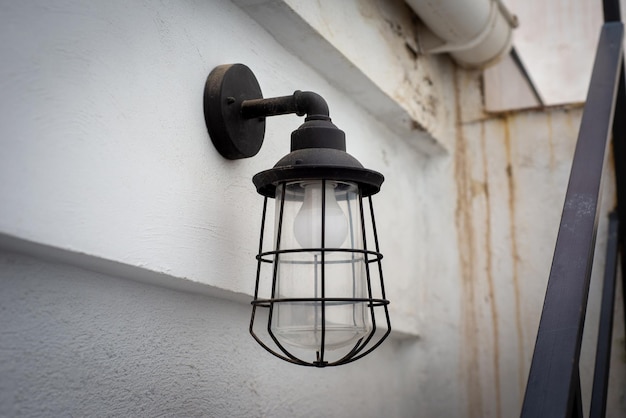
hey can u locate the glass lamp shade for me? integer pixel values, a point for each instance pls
(315, 274)
(321, 309)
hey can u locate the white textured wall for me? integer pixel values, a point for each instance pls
(76, 343)
(106, 164)
(105, 150)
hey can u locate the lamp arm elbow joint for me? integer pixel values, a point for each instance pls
(310, 104)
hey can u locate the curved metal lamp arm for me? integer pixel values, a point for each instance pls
(235, 110)
(300, 102)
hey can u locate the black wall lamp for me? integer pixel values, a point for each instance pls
(319, 275)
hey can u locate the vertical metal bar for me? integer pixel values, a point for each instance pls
(557, 350)
(577, 401)
(611, 11)
(320, 360)
(619, 158)
(377, 247)
(258, 267)
(279, 231)
(352, 260)
(367, 264)
(258, 270)
(382, 285)
(360, 347)
(605, 329)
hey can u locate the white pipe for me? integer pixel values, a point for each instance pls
(476, 33)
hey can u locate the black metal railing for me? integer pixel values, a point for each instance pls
(553, 388)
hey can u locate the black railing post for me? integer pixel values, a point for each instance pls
(605, 329)
(612, 13)
(553, 384)
(619, 160)
(577, 402)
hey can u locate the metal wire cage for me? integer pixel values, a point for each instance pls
(319, 296)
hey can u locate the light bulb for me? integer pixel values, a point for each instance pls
(308, 222)
(340, 275)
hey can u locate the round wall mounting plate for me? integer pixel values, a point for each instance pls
(226, 88)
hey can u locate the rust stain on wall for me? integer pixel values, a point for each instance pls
(463, 220)
(551, 141)
(514, 253)
(397, 24)
(488, 254)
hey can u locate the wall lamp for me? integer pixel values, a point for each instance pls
(314, 298)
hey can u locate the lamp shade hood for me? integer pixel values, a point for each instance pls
(318, 151)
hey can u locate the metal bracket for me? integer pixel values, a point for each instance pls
(235, 110)
(233, 135)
